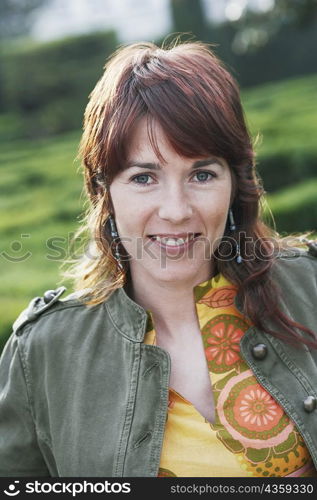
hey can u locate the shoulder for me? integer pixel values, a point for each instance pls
(51, 311)
(51, 321)
(297, 262)
(53, 333)
(295, 274)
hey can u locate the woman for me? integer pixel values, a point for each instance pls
(188, 348)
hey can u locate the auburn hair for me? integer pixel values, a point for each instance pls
(189, 92)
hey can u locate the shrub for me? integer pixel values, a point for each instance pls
(48, 84)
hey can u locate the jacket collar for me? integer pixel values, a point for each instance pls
(130, 319)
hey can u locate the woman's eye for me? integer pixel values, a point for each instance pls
(204, 176)
(147, 180)
(141, 179)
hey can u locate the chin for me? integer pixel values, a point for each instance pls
(176, 273)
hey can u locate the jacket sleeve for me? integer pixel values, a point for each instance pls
(19, 451)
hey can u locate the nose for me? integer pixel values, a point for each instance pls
(175, 206)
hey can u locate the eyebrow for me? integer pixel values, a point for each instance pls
(157, 166)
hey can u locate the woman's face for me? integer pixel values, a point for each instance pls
(170, 216)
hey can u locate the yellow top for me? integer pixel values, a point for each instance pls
(251, 436)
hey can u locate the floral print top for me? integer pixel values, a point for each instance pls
(251, 435)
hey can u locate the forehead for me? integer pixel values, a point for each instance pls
(149, 145)
(146, 138)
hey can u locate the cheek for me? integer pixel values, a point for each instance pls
(216, 227)
(127, 210)
(130, 218)
(216, 215)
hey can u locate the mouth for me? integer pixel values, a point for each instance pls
(174, 240)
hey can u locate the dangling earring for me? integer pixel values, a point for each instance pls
(238, 258)
(232, 227)
(114, 236)
(113, 227)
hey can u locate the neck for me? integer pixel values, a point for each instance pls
(171, 302)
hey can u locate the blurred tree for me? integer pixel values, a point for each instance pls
(189, 16)
(57, 78)
(15, 17)
(255, 29)
(300, 12)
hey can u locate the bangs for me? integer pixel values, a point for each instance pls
(186, 90)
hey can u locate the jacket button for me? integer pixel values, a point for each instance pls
(259, 351)
(49, 295)
(310, 403)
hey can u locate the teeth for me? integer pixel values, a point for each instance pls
(173, 242)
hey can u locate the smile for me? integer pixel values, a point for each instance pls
(174, 241)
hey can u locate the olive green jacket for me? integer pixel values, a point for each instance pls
(81, 395)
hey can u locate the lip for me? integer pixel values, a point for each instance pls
(177, 249)
(173, 235)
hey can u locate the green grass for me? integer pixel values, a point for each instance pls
(41, 189)
(295, 207)
(41, 202)
(293, 197)
(284, 114)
